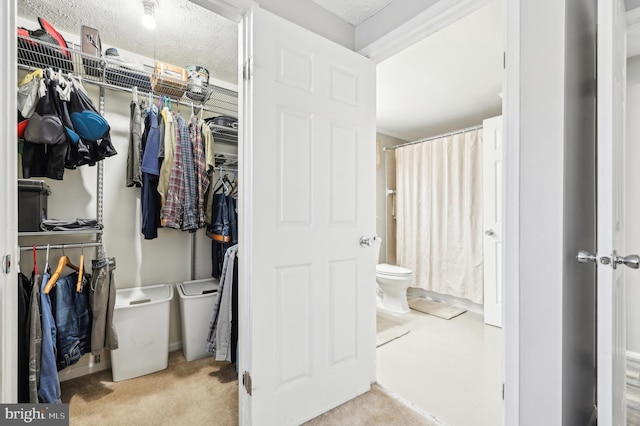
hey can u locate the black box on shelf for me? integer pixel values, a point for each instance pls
(32, 204)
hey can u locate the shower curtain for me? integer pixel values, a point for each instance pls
(439, 214)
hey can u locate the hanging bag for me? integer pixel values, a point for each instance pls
(45, 126)
(86, 120)
(44, 47)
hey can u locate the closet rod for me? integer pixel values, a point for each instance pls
(61, 246)
(468, 129)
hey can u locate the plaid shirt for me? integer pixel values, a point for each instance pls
(202, 178)
(173, 207)
(189, 221)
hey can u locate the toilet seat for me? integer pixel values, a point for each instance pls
(392, 270)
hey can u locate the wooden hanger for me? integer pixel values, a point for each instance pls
(62, 262)
(80, 272)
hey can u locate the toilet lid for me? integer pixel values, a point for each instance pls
(385, 268)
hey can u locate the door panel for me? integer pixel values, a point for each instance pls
(307, 200)
(611, 328)
(492, 189)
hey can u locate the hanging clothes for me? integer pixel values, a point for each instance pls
(174, 206)
(24, 293)
(209, 149)
(134, 157)
(35, 338)
(189, 216)
(73, 319)
(219, 337)
(49, 390)
(223, 230)
(102, 299)
(200, 169)
(167, 162)
(150, 169)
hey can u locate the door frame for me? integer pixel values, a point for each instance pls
(425, 24)
(9, 213)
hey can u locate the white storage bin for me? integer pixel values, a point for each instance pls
(141, 318)
(196, 306)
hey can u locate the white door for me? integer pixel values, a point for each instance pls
(611, 327)
(492, 219)
(307, 199)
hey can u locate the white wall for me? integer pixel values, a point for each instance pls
(632, 199)
(381, 184)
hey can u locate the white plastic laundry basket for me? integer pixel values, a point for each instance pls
(141, 318)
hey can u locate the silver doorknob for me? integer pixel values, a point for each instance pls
(632, 261)
(489, 232)
(586, 257)
(368, 241)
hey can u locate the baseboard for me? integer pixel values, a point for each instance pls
(175, 346)
(82, 370)
(87, 364)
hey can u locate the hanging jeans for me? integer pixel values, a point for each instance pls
(73, 320)
(24, 292)
(35, 339)
(103, 299)
(49, 390)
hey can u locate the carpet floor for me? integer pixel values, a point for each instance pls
(204, 392)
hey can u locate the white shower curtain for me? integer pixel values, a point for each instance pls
(439, 214)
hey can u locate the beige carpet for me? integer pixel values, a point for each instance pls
(204, 392)
(441, 310)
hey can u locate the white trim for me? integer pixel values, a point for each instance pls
(433, 19)
(511, 241)
(245, 225)
(230, 9)
(72, 373)
(390, 133)
(633, 356)
(175, 346)
(430, 417)
(8, 201)
(633, 18)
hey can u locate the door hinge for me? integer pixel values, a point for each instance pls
(246, 381)
(503, 391)
(248, 69)
(6, 264)
(504, 60)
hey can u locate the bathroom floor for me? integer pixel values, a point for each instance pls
(451, 369)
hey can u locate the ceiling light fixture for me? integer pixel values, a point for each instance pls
(148, 17)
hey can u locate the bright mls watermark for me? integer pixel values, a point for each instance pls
(34, 414)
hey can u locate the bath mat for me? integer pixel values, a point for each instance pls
(441, 310)
(389, 334)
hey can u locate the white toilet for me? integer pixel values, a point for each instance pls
(393, 281)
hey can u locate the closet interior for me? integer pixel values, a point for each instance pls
(104, 203)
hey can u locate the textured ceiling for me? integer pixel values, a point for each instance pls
(353, 11)
(185, 33)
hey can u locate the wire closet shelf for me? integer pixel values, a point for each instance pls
(113, 74)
